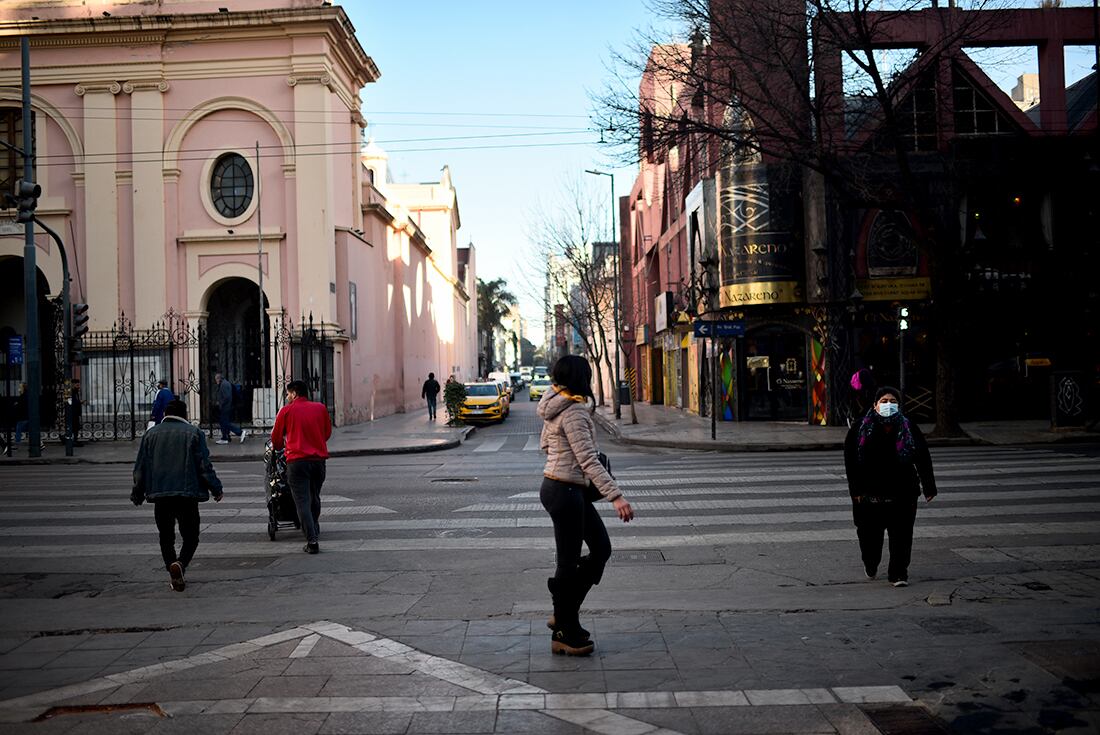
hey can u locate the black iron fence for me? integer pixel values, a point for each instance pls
(121, 367)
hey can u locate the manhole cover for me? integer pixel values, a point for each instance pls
(956, 625)
(904, 720)
(639, 557)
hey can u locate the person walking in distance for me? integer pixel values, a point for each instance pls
(160, 401)
(224, 394)
(173, 472)
(304, 427)
(430, 392)
(574, 477)
(888, 466)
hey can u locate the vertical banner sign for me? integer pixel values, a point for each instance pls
(758, 258)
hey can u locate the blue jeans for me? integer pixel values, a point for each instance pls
(431, 407)
(225, 420)
(20, 427)
(305, 477)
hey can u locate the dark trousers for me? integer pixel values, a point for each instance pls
(431, 407)
(575, 520)
(896, 519)
(305, 477)
(169, 511)
(225, 420)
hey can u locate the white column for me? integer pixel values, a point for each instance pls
(150, 246)
(101, 201)
(315, 224)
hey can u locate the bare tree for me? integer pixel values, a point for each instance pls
(816, 88)
(580, 283)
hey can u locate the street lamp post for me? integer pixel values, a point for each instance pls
(615, 307)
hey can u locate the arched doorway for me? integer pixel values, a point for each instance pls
(235, 344)
(13, 321)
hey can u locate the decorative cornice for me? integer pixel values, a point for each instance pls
(170, 175)
(379, 211)
(290, 170)
(87, 37)
(358, 119)
(124, 176)
(92, 87)
(222, 237)
(145, 85)
(321, 78)
(78, 178)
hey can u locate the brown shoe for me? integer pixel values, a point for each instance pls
(570, 644)
(175, 571)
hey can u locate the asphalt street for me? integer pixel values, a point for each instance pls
(736, 601)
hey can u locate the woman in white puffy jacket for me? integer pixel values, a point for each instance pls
(572, 478)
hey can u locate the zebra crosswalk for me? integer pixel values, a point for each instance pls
(989, 498)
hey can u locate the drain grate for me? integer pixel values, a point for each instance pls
(101, 709)
(904, 720)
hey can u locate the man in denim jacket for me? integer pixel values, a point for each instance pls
(173, 471)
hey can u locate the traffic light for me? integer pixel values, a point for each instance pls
(80, 328)
(26, 199)
(903, 318)
(80, 321)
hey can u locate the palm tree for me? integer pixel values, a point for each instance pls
(494, 300)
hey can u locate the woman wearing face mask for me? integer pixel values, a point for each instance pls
(888, 467)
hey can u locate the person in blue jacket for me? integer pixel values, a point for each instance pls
(160, 401)
(174, 473)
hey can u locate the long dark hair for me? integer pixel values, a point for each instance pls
(573, 373)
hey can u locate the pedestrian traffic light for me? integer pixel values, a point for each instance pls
(80, 321)
(903, 318)
(26, 199)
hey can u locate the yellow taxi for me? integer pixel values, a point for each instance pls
(538, 387)
(484, 402)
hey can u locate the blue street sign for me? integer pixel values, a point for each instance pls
(728, 328)
(15, 350)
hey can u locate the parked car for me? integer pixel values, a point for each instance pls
(504, 379)
(538, 387)
(484, 402)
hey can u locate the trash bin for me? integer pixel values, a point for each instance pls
(624, 393)
(1067, 399)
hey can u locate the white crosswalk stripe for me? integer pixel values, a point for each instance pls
(1017, 500)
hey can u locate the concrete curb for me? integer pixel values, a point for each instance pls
(414, 449)
(724, 446)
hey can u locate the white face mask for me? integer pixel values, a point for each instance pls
(886, 410)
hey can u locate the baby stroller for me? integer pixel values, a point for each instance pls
(281, 512)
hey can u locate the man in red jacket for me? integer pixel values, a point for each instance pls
(304, 427)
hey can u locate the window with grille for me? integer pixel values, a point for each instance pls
(231, 185)
(11, 162)
(916, 116)
(975, 114)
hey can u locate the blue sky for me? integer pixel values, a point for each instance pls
(498, 68)
(488, 67)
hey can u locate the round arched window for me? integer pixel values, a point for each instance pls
(231, 185)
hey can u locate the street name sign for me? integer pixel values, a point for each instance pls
(727, 328)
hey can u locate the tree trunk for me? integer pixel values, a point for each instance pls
(599, 383)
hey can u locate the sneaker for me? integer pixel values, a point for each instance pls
(244, 435)
(311, 548)
(222, 441)
(901, 583)
(175, 571)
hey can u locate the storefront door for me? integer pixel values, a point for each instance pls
(775, 371)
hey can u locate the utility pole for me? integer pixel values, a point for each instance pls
(33, 353)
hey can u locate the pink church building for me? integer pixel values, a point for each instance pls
(204, 163)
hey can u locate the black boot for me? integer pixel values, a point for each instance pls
(567, 637)
(551, 622)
